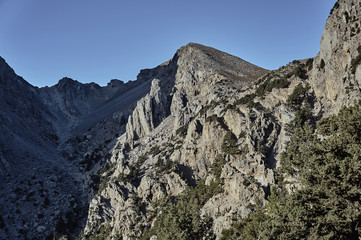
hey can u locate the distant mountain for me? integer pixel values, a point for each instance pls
(40, 182)
(204, 146)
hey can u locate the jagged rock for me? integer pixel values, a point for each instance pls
(129, 150)
(337, 81)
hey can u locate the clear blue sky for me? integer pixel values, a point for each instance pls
(96, 41)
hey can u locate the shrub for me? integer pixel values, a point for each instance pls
(212, 118)
(268, 86)
(217, 166)
(182, 131)
(165, 165)
(154, 151)
(182, 219)
(329, 171)
(246, 182)
(102, 233)
(309, 64)
(229, 145)
(296, 98)
(300, 72)
(134, 170)
(246, 99)
(356, 61)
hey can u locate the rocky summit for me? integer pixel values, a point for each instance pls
(204, 146)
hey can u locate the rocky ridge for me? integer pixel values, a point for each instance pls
(220, 130)
(201, 139)
(44, 179)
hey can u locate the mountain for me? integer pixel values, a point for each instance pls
(204, 146)
(41, 182)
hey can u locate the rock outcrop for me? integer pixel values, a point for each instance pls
(222, 122)
(52, 140)
(337, 74)
(200, 136)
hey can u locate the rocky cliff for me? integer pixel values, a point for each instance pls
(186, 151)
(336, 76)
(43, 180)
(225, 131)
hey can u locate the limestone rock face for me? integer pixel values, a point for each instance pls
(111, 161)
(183, 85)
(219, 118)
(149, 112)
(52, 140)
(335, 77)
(176, 134)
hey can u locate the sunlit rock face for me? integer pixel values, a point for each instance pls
(90, 161)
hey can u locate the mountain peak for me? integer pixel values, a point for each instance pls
(67, 80)
(230, 66)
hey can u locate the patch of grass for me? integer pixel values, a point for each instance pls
(102, 233)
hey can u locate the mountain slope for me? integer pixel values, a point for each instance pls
(41, 182)
(55, 139)
(212, 160)
(206, 145)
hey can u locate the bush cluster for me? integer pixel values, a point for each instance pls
(298, 95)
(356, 61)
(182, 131)
(327, 206)
(182, 219)
(229, 145)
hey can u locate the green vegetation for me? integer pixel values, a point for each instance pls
(134, 170)
(300, 72)
(100, 180)
(269, 85)
(229, 145)
(217, 166)
(154, 151)
(356, 61)
(248, 99)
(181, 219)
(165, 165)
(102, 233)
(309, 64)
(327, 206)
(138, 203)
(211, 105)
(182, 131)
(298, 95)
(213, 118)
